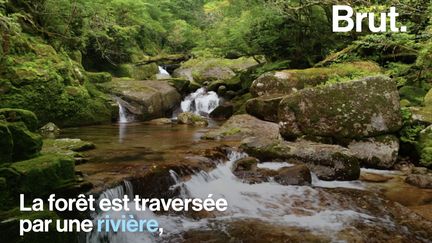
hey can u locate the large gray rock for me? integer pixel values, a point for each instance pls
(356, 109)
(378, 152)
(328, 162)
(288, 81)
(147, 99)
(242, 126)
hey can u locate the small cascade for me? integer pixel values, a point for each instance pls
(163, 74)
(200, 102)
(124, 115)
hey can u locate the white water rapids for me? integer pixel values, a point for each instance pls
(200, 102)
(297, 206)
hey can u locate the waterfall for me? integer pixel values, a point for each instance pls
(124, 115)
(200, 102)
(163, 74)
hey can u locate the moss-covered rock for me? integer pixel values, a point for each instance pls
(363, 108)
(66, 146)
(239, 103)
(6, 143)
(264, 107)
(328, 162)
(242, 126)
(139, 72)
(212, 69)
(44, 174)
(26, 144)
(101, 77)
(414, 95)
(190, 118)
(34, 77)
(424, 147)
(287, 81)
(19, 115)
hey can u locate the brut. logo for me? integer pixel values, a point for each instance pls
(356, 21)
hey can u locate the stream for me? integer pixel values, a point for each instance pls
(326, 211)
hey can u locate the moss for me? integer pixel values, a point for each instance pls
(142, 72)
(19, 115)
(44, 173)
(414, 95)
(66, 146)
(26, 144)
(239, 103)
(101, 77)
(6, 143)
(49, 84)
(231, 131)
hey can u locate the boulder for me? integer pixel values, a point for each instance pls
(43, 174)
(264, 107)
(356, 109)
(202, 70)
(245, 164)
(18, 115)
(288, 81)
(328, 162)
(222, 112)
(377, 152)
(160, 121)
(422, 181)
(6, 143)
(49, 130)
(64, 145)
(190, 118)
(242, 126)
(26, 144)
(294, 175)
(148, 99)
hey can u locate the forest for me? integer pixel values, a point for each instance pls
(84, 82)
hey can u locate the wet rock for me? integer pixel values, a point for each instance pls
(294, 175)
(422, 181)
(160, 121)
(328, 162)
(288, 81)
(419, 170)
(49, 130)
(372, 177)
(264, 107)
(222, 90)
(242, 126)
(223, 111)
(356, 109)
(190, 118)
(378, 152)
(66, 145)
(245, 164)
(147, 99)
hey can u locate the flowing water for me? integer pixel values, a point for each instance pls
(163, 74)
(124, 149)
(200, 102)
